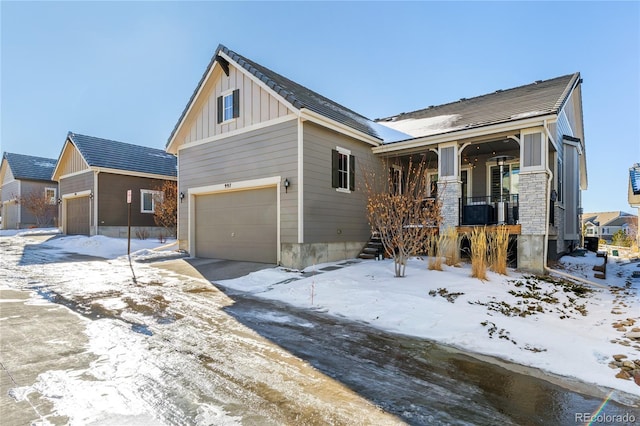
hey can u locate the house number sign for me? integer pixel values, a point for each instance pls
(227, 185)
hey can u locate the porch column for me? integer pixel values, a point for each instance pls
(449, 192)
(533, 201)
(449, 185)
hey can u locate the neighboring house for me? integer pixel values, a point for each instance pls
(24, 176)
(634, 192)
(94, 176)
(605, 224)
(271, 171)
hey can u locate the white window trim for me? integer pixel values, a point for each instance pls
(224, 95)
(397, 177)
(153, 201)
(543, 146)
(430, 173)
(456, 162)
(346, 152)
(53, 200)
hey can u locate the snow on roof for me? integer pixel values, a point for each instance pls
(425, 126)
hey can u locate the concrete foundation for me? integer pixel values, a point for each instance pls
(299, 256)
(136, 231)
(531, 253)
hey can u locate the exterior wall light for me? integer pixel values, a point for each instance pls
(286, 185)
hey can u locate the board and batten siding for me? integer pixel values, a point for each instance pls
(8, 175)
(71, 161)
(331, 215)
(256, 106)
(266, 152)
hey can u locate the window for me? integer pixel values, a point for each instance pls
(589, 231)
(397, 180)
(229, 106)
(50, 195)
(148, 200)
(343, 166)
(559, 173)
(509, 181)
(433, 185)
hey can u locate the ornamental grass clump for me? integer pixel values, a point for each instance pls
(498, 249)
(478, 241)
(450, 247)
(435, 252)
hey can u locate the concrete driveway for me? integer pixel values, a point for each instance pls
(212, 269)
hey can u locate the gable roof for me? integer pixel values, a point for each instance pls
(111, 154)
(296, 94)
(532, 100)
(29, 167)
(623, 220)
(604, 218)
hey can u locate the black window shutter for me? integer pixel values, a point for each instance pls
(352, 173)
(335, 179)
(236, 103)
(219, 109)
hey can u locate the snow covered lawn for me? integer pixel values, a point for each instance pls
(562, 328)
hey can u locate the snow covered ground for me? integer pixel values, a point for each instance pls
(558, 328)
(565, 330)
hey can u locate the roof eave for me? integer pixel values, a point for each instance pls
(210, 68)
(307, 114)
(476, 131)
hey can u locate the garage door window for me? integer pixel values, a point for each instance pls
(148, 200)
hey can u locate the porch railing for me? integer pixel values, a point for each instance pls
(488, 210)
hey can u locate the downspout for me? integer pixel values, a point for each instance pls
(547, 203)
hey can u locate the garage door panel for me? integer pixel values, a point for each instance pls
(238, 225)
(78, 216)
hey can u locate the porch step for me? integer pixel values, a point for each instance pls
(373, 247)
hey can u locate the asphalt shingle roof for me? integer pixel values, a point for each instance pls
(124, 156)
(30, 167)
(531, 100)
(298, 95)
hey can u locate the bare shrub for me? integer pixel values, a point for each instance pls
(142, 233)
(166, 206)
(400, 211)
(41, 207)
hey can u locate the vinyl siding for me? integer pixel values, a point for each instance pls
(26, 188)
(10, 190)
(326, 210)
(257, 105)
(267, 152)
(77, 183)
(112, 199)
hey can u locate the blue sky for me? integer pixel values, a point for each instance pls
(125, 70)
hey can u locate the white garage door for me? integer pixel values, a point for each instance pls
(239, 225)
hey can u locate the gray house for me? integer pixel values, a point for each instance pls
(94, 176)
(271, 171)
(27, 176)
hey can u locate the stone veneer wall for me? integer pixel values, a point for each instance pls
(450, 193)
(533, 220)
(532, 203)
